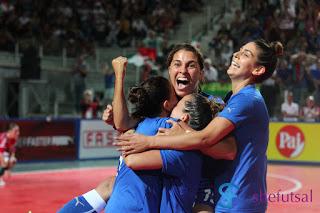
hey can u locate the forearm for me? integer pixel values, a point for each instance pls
(212, 134)
(122, 119)
(225, 149)
(148, 160)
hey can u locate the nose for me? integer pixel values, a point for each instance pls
(236, 54)
(183, 69)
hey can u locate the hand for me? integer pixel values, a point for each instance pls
(119, 65)
(132, 143)
(178, 128)
(107, 116)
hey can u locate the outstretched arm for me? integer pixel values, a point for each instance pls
(121, 117)
(217, 129)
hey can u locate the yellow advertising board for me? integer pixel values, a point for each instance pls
(294, 142)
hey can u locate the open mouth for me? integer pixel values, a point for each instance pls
(182, 82)
(233, 63)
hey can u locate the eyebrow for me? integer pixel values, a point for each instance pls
(188, 62)
(249, 51)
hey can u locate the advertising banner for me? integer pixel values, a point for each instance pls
(42, 139)
(96, 140)
(216, 89)
(294, 142)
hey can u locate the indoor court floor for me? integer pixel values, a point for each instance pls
(46, 190)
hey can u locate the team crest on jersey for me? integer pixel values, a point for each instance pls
(290, 141)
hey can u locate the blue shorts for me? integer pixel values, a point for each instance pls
(205, 194)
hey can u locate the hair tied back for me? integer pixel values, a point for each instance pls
(277, 47)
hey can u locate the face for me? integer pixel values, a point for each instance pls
(243, 62)
(185, 73)
(177, 111)
(310, 102)
(14, 133)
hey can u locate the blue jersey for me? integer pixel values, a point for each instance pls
(182, 173)
(138, 191)
(243, 184)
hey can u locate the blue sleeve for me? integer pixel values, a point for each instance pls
(238, 109)
(162, 123)
(176, 163)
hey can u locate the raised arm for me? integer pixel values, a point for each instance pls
(121, 117)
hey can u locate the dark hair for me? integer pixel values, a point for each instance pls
(201, 111)
(12, 126)
(187, 47)
(149, 96)
(268, 57)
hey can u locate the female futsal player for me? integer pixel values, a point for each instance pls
(246, 115)
(8, 142)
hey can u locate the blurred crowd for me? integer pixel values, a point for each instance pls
(79, 26)
(296, 23)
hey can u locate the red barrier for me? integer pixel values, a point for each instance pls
(45, 140)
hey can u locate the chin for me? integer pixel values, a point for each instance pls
(182, 93)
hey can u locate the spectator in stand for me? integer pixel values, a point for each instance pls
(310, 112)
(139, 28)
(210, 72)
(299, 63)
(270, 92)
(89, 105)
(314, 72)
(108, 82)
(290, 109)
(79, 72)
(284, 75)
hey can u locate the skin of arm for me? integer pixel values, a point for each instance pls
(122, 120)
(225, 149)
(148, 160)
(217, 129)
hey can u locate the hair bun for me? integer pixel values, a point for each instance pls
(277, 48)
(137, 94)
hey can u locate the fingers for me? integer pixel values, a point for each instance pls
(107, 115)
(172, 122)
(163, 131)
(121, 144)
(119, 64)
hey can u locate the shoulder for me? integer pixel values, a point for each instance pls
(157, 121)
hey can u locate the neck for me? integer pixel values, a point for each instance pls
(164, 114)
(238, 85)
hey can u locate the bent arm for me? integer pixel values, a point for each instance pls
(122, 119)
(148, 160)
(225, 149)
(217, 129)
